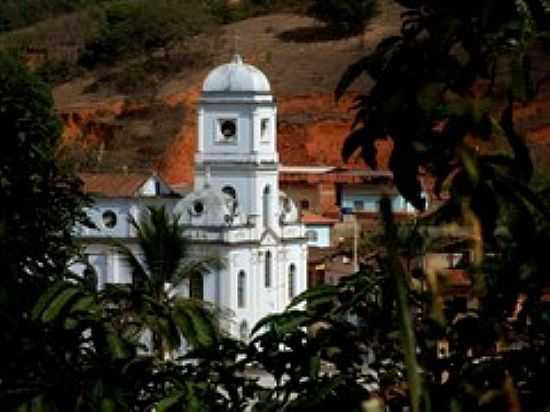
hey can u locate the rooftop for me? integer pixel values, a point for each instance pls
(314, 219)
(115, 184)
(236, 76)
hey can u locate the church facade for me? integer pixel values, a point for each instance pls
(236, 210)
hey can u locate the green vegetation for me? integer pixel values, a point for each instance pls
(149, 303)
(375, 337)
(62, 38)
(130, 28)
(442, 78)
(15, 14)
(346, 17)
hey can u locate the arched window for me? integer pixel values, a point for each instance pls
(268, 263)
(243, 330)
(196, 286)
(109, 219)
(266, 205)
(241, 289)
(232, 197)
(228, 190)
(291, 281)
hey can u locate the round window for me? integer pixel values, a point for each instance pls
(109, 219)
(228, 129)
(198, 207)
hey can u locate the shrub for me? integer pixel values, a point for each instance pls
(15, 14)
(129, 28)
(345, 17)
(56, 71)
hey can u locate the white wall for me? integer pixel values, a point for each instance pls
(370, 197)
(323, 235)
(248, 141)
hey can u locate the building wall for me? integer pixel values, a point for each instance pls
(365, 198)
(121, 208)
(321, 196)
(109, 264)
(299, 192)
(260, 300)
(248, 142)
(322, 235)
(249, 186)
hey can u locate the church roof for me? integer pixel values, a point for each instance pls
(236, 76)
(114, 184)
(310, 218)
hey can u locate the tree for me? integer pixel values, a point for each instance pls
(154, 300)
(56, 342)
(40, 202)
(40, 197)
(130, 28)
(345, 17)
(444, 77)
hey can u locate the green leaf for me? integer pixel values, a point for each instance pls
(59, 303)
(46, 298)
(314, 366)
(312, 294)
(83, 304)
(108, 405)
(116, 345)
(351, 74)
(165, 404)
(429, 96)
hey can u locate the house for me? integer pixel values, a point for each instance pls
(318, 229)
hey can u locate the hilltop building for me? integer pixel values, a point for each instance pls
(235, 211)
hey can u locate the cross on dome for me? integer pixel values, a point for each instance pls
(236, 76)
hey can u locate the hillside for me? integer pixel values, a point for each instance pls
(109, 127)
(156, 127)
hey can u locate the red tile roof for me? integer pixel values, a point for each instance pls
(312, 219)
(113, 184)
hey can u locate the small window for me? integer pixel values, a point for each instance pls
(312, 235)
(196, 286)
(291, 281)
(241, 289)
(268, 262)
(304, 204)
(266, 205)
(230, 191)
(244, 330)
(371, 203)
(109, 219)
(231, 199)
(227, 130)
(198, 207)
(358, 205)
(264, 129)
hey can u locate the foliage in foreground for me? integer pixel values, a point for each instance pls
(153, 303)
(374, 336)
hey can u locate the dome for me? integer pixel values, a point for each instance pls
(206, 207)
(236, 76)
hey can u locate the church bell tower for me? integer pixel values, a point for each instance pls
(237, 141)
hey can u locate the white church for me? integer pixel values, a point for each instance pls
(235, 211)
